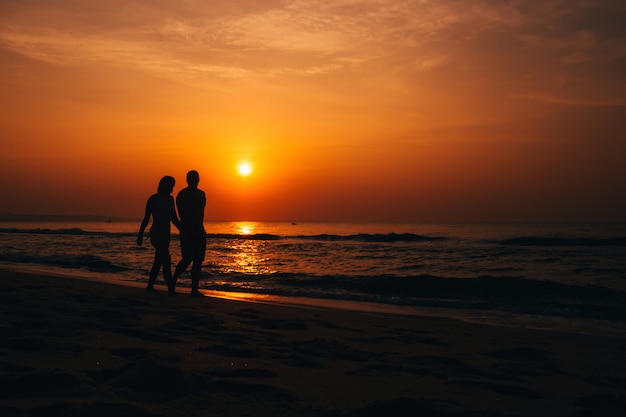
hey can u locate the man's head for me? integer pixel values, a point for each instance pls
(193, 178)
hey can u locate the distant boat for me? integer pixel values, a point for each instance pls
(293, 223)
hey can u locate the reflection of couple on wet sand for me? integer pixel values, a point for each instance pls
(160, 206)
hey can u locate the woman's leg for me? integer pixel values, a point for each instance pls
(167, 267)
(154, 271)
(161, 245)
(195, 275)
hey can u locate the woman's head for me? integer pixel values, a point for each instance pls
(166, 185)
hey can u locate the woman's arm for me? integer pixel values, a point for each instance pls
(175, 219)
(144, 222)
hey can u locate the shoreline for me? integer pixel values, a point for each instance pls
(474, 316)
(71, 347)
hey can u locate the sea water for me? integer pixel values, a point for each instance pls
(543, 274)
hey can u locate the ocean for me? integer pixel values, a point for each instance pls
(564, 277)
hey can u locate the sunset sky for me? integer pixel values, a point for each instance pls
(346, 110)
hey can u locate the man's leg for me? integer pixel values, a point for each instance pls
(180, 268)
(195, 276)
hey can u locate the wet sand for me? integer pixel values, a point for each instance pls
(71, 347)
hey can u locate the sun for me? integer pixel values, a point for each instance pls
(244, 169)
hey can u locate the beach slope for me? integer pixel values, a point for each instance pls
(71, 347)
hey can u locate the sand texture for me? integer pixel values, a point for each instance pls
(72, 347)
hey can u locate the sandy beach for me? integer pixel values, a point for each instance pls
(71, 347)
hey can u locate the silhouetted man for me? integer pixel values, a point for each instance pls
(191, 202)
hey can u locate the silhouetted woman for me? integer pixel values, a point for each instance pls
(161, 207)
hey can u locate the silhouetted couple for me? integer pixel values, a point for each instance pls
(160, 206)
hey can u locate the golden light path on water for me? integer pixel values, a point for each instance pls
(246, 258)
(243, 255)
(245, 228)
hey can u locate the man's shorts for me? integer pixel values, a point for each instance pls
(193, 245)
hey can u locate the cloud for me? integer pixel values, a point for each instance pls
(551, 98)
(430, 63)
(250, 40)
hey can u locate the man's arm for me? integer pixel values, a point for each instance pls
(175, 219)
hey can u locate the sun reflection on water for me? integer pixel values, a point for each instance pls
(247, 257)
(241, 253)
(245, 228)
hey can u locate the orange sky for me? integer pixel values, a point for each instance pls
(348, 110)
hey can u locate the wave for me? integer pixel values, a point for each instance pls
(233, 236)
(73, 231)
(38, 231)
(360, 237)
(487, 293)
(564, 241)
(378, 237)
(88, 262)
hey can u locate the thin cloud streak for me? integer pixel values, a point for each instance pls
(553, 99)
(534, 43)
(331, 32)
